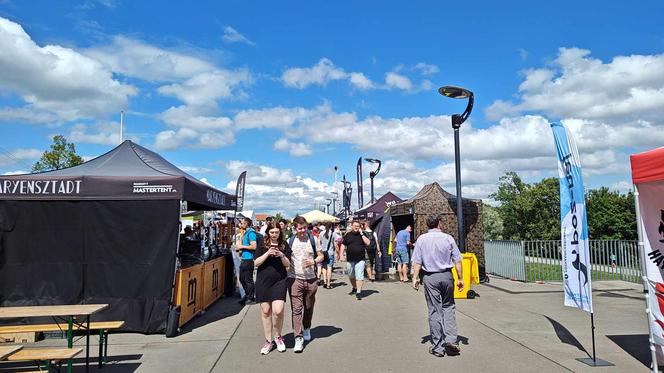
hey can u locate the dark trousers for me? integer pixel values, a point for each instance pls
(247, 277)
(303, 297)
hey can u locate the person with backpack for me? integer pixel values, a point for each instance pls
(247, 246)
(302, 280)
(354, 246)
(328, 241)
(372, 250)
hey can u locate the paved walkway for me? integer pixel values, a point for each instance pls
(511, 327)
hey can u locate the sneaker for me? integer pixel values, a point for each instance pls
(452, 349)
(307, 335)
(267, 347)
(281, 346)
(352, 291)
(299, 345)
(435, 353)
(358, 296)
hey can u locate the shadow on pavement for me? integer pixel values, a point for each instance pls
(321, 331)
(221, 309)
(460, 339)
(634, 344)
(113, 364)
(366, 293)
(565, 335)
(337, 284)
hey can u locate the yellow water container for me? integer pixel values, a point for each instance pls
(471, 275)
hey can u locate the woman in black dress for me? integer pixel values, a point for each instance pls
(272, 262)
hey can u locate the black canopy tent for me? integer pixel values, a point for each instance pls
(105, 231)
(374, 211)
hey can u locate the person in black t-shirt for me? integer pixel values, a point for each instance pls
(272, 262)
(355, 244)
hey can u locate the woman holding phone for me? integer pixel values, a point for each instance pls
(272, 262)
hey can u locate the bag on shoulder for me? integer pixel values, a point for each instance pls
(312, 241)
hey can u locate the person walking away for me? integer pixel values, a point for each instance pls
(354, 246)
(401, 252)
(272, 263)
(373, 249)
(247, 247)
(329, 243)
(235, 252)
(434, 255)
(302, 280)
(285, 229)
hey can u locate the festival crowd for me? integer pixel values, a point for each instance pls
(296, 259)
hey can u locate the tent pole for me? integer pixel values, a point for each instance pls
(644, 278)
(177, 251)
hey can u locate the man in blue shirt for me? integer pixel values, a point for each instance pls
(247, 246)
(401, 252)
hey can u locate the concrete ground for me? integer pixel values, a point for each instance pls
(512, 326)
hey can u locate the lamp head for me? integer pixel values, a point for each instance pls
(454, 92)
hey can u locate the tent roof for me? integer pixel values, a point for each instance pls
(128, 171)
(319, 216)
(379, 206)
(427, 190)
(648, 166)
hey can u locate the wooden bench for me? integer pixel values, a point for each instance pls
(102, 326)
(8, 350)
(50, 355)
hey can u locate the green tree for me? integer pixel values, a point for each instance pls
(528, 211)
(62, 155)
(493, 223)
(611, 215)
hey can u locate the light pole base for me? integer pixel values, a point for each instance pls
(594, 363)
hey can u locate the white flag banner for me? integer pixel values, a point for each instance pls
(648, 178)
(577, 284)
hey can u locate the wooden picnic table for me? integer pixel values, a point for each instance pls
(8, 350)
(63, 312)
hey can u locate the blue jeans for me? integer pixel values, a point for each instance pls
(402, 256)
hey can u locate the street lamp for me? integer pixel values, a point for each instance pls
(457, 120)
(373, 174)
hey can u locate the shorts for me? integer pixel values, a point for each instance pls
(402, 256)
(371, 255)
(330, 262)
(355, 270)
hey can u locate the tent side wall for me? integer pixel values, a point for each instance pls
(67, 252)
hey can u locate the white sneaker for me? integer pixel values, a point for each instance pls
(299, 345)
(267, 347)
(281, 346)
(307, 335)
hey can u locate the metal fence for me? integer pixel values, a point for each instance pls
(542, 260)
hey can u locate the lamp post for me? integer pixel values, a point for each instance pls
(457, 120)
(373, 174)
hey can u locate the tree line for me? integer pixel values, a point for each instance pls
(532, 211)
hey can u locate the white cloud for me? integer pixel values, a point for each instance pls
(55, 79)
(27, 115)
(426, 69)
(137, 59)
(278, 117)
(195, 170)
(523, 54)
(360, 81)
(398, 81)
(103, 134)
(22, 157)
(196, 128)
(233, 36)
(320, 74)
(19, 172)
(296, 149)
(579, 86)
(207, 88)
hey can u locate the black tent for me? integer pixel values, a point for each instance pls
(105, 231)
(374, 211)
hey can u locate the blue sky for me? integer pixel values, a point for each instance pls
(287, 90)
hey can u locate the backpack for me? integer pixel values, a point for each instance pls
(312, 241)
(260, 239)
(372, 241)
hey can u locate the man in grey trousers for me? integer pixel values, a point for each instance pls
(435, 254)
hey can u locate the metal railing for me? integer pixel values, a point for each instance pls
(542, 260)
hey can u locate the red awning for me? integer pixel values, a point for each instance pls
(648, 166)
